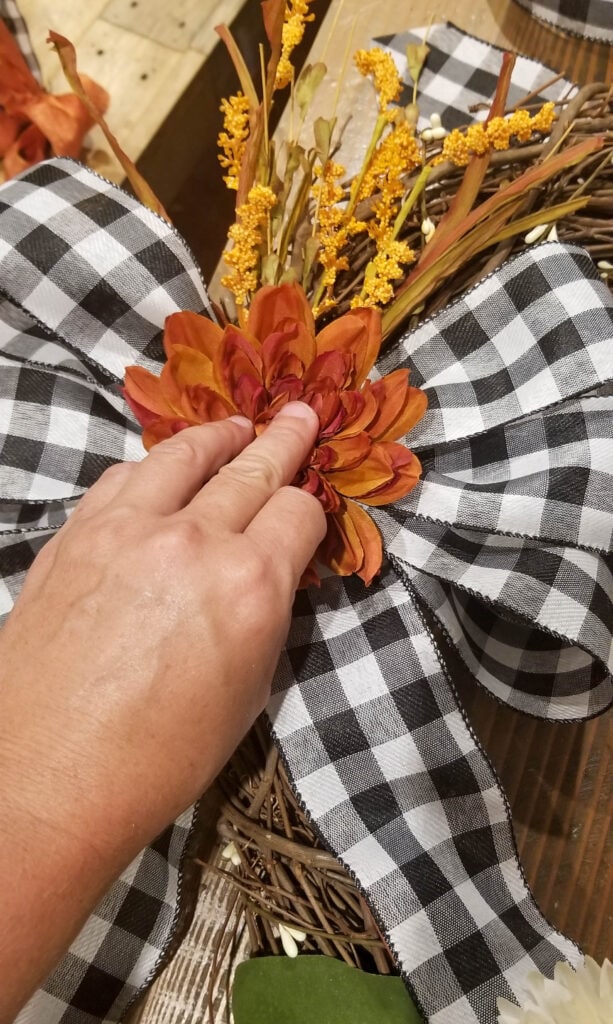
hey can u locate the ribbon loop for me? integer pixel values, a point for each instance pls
(506, 543)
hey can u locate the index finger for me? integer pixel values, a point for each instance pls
(242, 487)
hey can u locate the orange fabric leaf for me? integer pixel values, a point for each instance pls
(400, 407)
(352, 544)
(273, 305)
(288, 351)
(191, 330)
(357, 333)
(406, 471)
(371, 474)
(143, 388)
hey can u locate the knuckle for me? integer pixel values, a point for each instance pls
(181, 448)
(253, 472)
(114, 528)
(117, 473)
(179, 540)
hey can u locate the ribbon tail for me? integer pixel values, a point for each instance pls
(395, 782)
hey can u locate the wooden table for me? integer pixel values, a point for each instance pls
(558, 779)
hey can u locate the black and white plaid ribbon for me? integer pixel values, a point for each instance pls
(461, 75)
(591, 19)
(503, 551)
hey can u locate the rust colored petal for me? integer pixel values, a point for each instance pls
(333, 367)
(208, 406)
(142, 389)
(405, 468)
(191, 330)
(346, 452)
(287, 352)
(160, 430)
(400, 406)
(360, 409)
(16, 80)
(249, 396)
(358, 334)
(63, 120)
(352, 543)
(236, 359)
(372, 474)
(10, 127)
(190, 368)
(274, 305)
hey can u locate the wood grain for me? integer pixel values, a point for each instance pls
(144, 53)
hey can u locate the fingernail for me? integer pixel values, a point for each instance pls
(299, 410)
(242, 421)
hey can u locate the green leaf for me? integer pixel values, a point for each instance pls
(307, 85)
(322, 130)
(417, 54)
(317, 990)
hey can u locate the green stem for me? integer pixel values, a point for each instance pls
(380, 124)
(411, 199)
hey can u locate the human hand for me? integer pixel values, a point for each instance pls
(143, 644)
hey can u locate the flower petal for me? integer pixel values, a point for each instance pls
(370, 475)
(273, 305)
(400, 406)
(352, 543)
(162, 429)
(142, 388)
(358, 334)
(191, 330)
(237, 358)
(287, 352)
(346, 452)
(405, 470)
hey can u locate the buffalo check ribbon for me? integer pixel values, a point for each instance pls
(502, 553)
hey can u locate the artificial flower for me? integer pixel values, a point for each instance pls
(32, 121)
(581, 996)
(278, 357)
(290, 937)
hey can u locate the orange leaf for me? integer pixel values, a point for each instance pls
(143, 388)
(400, 406)
(191, 330)
(273, 305)
(406, 469)
(371, 474)
(357, 333)
(352, 544)
(68, 59)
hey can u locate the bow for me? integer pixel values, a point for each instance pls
(499, 555)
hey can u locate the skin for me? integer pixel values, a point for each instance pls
(139, 653)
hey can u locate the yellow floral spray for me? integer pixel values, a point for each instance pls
(233, 138)
(477, 139)
(247, 238)
(296, 16)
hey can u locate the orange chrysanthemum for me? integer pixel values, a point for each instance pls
(213, 373)
(32, 121)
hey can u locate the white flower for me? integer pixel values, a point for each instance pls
(435, 131)
(230, 852)
(428, 228)
(290, 936)
(581, 996)
(536, 233)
